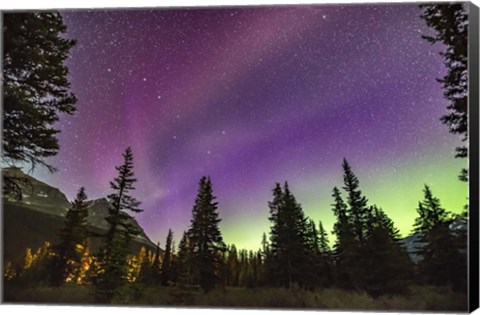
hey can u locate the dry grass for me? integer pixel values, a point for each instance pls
(420, 298)
(68, 294)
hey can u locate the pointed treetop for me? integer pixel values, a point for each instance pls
(286, 188)
(81, 196)
(323, 239)
(430, 212)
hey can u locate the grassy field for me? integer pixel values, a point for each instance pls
(419, 298)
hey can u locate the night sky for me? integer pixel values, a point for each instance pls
(253, 96)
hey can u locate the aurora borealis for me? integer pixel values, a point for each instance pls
(252, 96)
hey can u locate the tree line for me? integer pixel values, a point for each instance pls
(367, 249)
(367, 254)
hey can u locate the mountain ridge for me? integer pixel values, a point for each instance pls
(39, 214)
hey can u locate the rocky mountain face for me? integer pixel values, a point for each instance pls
(40, 212)
(98, 210)
(36, 194)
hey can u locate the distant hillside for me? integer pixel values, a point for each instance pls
(413, 243)
(40, 214)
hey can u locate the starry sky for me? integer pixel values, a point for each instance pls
(251, 96)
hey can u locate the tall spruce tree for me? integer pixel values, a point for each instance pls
(326, 259)
(450, 25)
(313, 240)
(323, 243)
(173, 274)
(156, 266)
(290, 258)
(205, 237)
(265, 246)
(265, 257)
(346, 245)
(72, 241)
(358, 214)
(184, 260)
(367, 246)
(357, 210)
(35, 85)
(113, 257)
(339, 209)
(165, 273)
(35, 91)
(276, 236)
(389, 268)
(430, 212)
(313, 252)
(442, 262)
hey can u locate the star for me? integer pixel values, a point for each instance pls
(294, 94)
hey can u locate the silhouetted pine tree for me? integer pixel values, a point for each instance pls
(346, 244)
(430, 212)
(274, 268)
(326, 259)
(265, 246)
(290, 258)
(442, 262)
(233, 266)
(316, 263)
(323, 245)
(184, 260)
(253, 268)
(173, 264)
(265, 258)
(72, 241)
(113, 257)
(243, 268)
(367, 248)
(156, 266)
(357, 210)
(261, 269)
(358, 214)
(450, 23)
(389, 268)
(313, 240)
(205, 237)
(340, 211)
(165, 272)
(35, 86)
